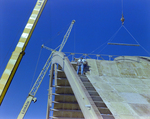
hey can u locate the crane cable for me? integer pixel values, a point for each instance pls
(51, 39)
(115, 35)
(122, 18)
(111, 39)
(74, 39)
(56, 35)
(136, 40)
(122, 6)
(38, 63)
(107, 41)
(36, 68)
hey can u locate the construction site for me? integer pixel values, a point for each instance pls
(111, 86)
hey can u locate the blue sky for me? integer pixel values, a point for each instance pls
(96, 22)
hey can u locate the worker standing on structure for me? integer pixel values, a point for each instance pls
(81, 63)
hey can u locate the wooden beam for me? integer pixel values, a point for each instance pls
(65, 110)
(124, 44)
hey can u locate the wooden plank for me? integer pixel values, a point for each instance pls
(105, 116)
(64, 118)
(63, 94)
(61, 86)
(124, 44)
(64, 102)
(61, 98)
(62, 82)
(65, 110)
(104, 110)
(64, 91)
(66, 114)
(66, 106)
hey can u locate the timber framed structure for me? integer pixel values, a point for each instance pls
(107, 91)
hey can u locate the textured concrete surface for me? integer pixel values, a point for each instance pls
(123, 84)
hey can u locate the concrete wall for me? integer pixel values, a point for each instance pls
(124, 85)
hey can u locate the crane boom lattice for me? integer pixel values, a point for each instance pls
(66, 36)
(40, 78)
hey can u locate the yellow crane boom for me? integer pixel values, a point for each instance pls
(18, 53)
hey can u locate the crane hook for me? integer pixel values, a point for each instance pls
(122, 19)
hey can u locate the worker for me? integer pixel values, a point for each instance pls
(81, 63)
(122, 19)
